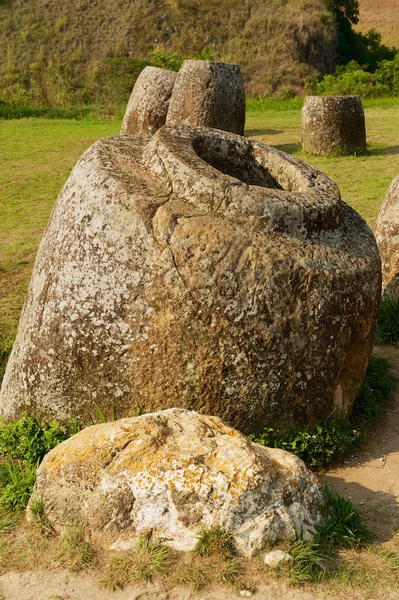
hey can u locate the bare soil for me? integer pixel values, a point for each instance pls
(370, 478)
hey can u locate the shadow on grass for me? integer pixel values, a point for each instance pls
(253, 132)
(389, 150)
(289, 148)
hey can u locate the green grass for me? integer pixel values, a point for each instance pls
(388, 321)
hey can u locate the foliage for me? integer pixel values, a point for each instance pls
(166, 60)
(354, 79)
(24, 443)
(216, 541)
(364, 48)
(309, 562)
(333, 438)
(388, 321)
(29, 438)
(17, 481)
(343, 526)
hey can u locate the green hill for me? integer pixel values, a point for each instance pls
(58, 52)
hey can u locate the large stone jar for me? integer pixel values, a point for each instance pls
(202, 270)
(333, 125)
(149, 102)
(387, 235)
(208, 94)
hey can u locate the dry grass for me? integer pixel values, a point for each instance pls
(62, 48)
(383, 15)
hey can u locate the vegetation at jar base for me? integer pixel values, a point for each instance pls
(388, 321)
(23, 444)
(331, 439)
(342, 527)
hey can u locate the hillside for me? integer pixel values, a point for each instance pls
(56, 52)
(383, 15)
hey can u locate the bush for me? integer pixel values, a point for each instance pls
(355, 79)
(24, 443)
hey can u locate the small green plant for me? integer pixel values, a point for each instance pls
(24, 443)
(76, 550)
(30, 438)
(231, 570)
(101, 417)
(17, 479)
(216, 541)
(309, 562)
(343, 526)
(39, 516)
(388, 321)
(196, 575)
(141, 564)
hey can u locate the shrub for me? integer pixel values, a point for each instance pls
(24, 443)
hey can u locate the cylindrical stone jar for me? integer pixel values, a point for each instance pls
(387, 235)
(202, 270)
(208, 94)
(149, 102)
(333, 125)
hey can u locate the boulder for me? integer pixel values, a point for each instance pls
(173, 473)
(208, 94)
(333, 125)
(149, 102)
(387, 235)
(202, 270)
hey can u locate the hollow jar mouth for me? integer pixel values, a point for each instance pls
(236, 160)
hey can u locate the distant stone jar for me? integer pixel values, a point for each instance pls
(202, 270)
(333, 125)
(149, 102)
(387, 235)
(208, 94)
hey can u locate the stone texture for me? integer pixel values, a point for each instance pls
(387, 235)
(333, 125)
(276, 557)
(173, 473)
(149, 102)
(208, 94)
(197, 269)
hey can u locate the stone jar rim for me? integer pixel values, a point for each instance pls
(221, 171)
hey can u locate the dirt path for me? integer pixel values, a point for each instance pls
(371, 477)
(371, 480)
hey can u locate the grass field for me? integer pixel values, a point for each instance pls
(36, 156)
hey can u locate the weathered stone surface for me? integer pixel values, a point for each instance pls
(387, 235)
(197, 269)
(333, 125)
(208, 94)
(174, 473)
(149, 102)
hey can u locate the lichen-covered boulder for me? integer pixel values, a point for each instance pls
(173, 473)
(202, 270)
(387, 235)
(149, 102)
(208, 94)
(333, 125)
